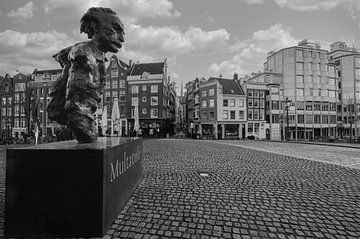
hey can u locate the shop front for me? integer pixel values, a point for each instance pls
(208, 131)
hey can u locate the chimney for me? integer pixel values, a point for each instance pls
(236, 77)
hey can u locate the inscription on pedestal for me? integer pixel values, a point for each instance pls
(66, 189)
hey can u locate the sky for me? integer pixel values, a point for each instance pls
(199, 38)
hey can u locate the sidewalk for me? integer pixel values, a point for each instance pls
(344, 145)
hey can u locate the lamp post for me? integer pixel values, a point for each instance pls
(287, 101)
(281, 120)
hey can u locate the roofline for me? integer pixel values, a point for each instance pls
(303, 47)
(40, 71)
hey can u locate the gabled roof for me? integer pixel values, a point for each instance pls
(123, 64)
(229, 86)
(1, 80)
(51, 71)
(120, 62)
(152, 68)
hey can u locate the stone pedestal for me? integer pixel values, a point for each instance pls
(65, 189)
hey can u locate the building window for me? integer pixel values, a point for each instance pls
(324, 92)
(250, 115)
(3, 112)
(300, 79)
(135, 89)
(275, 105)
(332, 106)
(122, 83)
(9, 112)
(256, 103)
(317, 106)
(16, 123)
(299, 53)
(225, 114)
(154, 113)
(316, 80)
(107, 95)
(256, 93)
(144, 88)
(134, 101)
(204, 104)
(325, 119)
(22, 123)
(211, 92)
(212, 115)
(9, 100)
(300, 119)
(241, 115)
(204, 115)
(154, 88)
(17, 98)
(212, 103)
(250, 93)
(274, 91)
(250, 103)
(203, 93)
(309, 106)
(114, 73)
(325, 106)
(331, 93)
(107, 84)
(317, 119)
(20, 86)
(113, 64)
(250, 128)
(144, 99)
(261, 114)
(232, 102)
(114, 84)
(241, 103)
(262, 94)
(309, 119)
(299, 66)
(262, 104)
(17, 110)
(225, 102)
(122, 95)
(232, 114)
(154, 100)
(300, 91)
(3, 101)
(144, 111)
(256, 114)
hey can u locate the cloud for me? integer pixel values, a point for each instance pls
(27, 51)
(252, 52)
(309, 5)
(171, 41)
(23, 13)
(252, 1)
(128, 10)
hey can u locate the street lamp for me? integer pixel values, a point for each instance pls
(287, 101)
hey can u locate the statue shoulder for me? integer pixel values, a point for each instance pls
(81, 50)
(68, 54)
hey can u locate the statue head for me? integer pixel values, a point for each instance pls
(104, 28)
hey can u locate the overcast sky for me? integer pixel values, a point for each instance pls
(198, 37)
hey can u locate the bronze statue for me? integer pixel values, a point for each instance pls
(77, 92)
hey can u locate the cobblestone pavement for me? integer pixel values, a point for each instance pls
(349, 157)
(247, 194)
